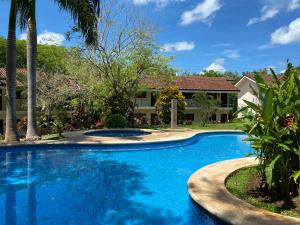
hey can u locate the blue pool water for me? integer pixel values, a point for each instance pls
(117, 133)
(109, 184)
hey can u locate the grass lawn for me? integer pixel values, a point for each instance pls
(219, 126)
(237, 185)
(48, 137)
(197, 126)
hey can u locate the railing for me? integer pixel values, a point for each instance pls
(143, 102)
(193, 104)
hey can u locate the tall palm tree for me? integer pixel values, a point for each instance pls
(11, 134)
(84, 12)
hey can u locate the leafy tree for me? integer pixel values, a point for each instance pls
(50, 58)
(54, 94)
(273, 129)
(208, 105)
(163, 104)
(125, 53)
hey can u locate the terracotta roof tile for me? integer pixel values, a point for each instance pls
(20, 72)
(266, 77)
(190, 83)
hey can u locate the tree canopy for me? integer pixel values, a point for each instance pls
(50, 57)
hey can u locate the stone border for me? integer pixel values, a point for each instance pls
(207, 187)
(156, 136)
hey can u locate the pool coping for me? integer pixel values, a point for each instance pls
(156, 136)
(207, 188)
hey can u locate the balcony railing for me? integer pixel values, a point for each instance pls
(143, 102)
(193, 104)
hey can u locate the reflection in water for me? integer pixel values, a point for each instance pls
(10, 204)
(31, 213)
(59, 185)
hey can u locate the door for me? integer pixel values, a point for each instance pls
(224, 118)
(1, 127)
(224, 100)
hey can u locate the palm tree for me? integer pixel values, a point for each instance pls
(32, 132)
(11, 134)
(85, 13)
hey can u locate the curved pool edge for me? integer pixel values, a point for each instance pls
(132, 132)
(207, 188)
(109, 141)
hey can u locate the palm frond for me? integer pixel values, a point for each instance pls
(85, 14)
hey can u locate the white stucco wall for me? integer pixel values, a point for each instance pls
(246, 92)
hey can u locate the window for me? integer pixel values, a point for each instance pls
(214, 95)
(189, 116)
(18, 95)
(188, 95)
(142, 94)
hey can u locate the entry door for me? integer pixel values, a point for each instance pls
(1, 127)
(224, 118)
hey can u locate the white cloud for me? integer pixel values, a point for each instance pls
(204, 12)
(288, 34)
(217, 65)
(266, 46)
(159, 3)
(271, 8)
(179, 46)
(231, 53)
(266, 13)
(47, 38)
(293, 5)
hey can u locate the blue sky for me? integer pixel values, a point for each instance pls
(234, 35)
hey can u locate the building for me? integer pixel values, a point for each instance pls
(21, 101)
(246, 84)
(219, 87)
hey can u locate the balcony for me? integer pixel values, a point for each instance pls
(190, 103)
(143, 102)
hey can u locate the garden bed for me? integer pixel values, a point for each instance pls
(245, 184)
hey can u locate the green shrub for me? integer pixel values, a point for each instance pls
(116, 121)
(163, 104)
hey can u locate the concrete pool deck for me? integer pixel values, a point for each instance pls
(207, 187)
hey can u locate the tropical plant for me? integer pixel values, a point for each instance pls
(11, 134)
(84, 12)
(208, 105)
(163, 104)
(273, 129)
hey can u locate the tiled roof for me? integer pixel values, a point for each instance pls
(20, 74)
(196, 83)
(267, 78)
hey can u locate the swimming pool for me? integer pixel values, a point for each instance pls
(117, 133)
(109, 184)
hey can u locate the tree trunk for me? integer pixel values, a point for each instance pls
(32, 133)
(11, 134)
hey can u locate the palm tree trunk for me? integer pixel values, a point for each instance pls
(11, 134)
(32, 133)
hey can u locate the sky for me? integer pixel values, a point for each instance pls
(220, 35)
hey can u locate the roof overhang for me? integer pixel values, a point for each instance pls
(244, 78)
